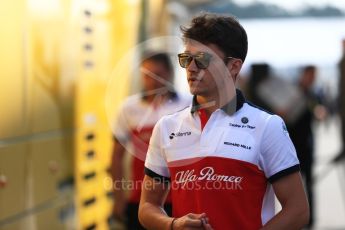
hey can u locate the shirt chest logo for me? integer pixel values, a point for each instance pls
(205, 174)
(242, 126)
(237, 145)
(179, 134)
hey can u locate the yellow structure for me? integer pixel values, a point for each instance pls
(55, 141)
(110, 32)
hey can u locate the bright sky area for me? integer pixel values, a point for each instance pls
(296, 4)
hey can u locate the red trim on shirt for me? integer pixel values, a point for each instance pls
(203, 117)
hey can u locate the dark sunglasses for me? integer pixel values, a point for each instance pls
(202, 60)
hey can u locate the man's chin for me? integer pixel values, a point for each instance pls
(195, 90)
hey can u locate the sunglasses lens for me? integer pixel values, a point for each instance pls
(202, 61)
(184, 60)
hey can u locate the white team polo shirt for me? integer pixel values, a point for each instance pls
(226, 168)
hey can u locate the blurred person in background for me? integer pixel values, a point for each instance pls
(301, 131)
(341, 99)
(299, 105)
(260, 73)
(137, 117)
(275, 94)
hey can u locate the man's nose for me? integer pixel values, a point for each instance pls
(192, 67)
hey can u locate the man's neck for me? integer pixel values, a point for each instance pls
(212, 103)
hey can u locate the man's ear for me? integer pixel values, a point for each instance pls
(234, 66)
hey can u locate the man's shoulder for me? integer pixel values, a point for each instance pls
(132, 100)
(257, 110)
(261, 117)
(177, 116)
(183, 112)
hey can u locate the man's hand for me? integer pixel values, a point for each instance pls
(192, 221)
(153, 216)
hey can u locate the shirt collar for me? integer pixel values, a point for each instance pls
(230, 108)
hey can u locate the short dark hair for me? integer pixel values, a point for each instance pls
(222, 30)
(159, 57)
(309, 68)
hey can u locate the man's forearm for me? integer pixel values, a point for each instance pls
(154, 217)
(288, 220)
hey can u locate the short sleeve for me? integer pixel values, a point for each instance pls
(155, 163)
(120, 127)
(278, 156)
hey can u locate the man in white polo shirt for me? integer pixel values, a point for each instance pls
(222, 158)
